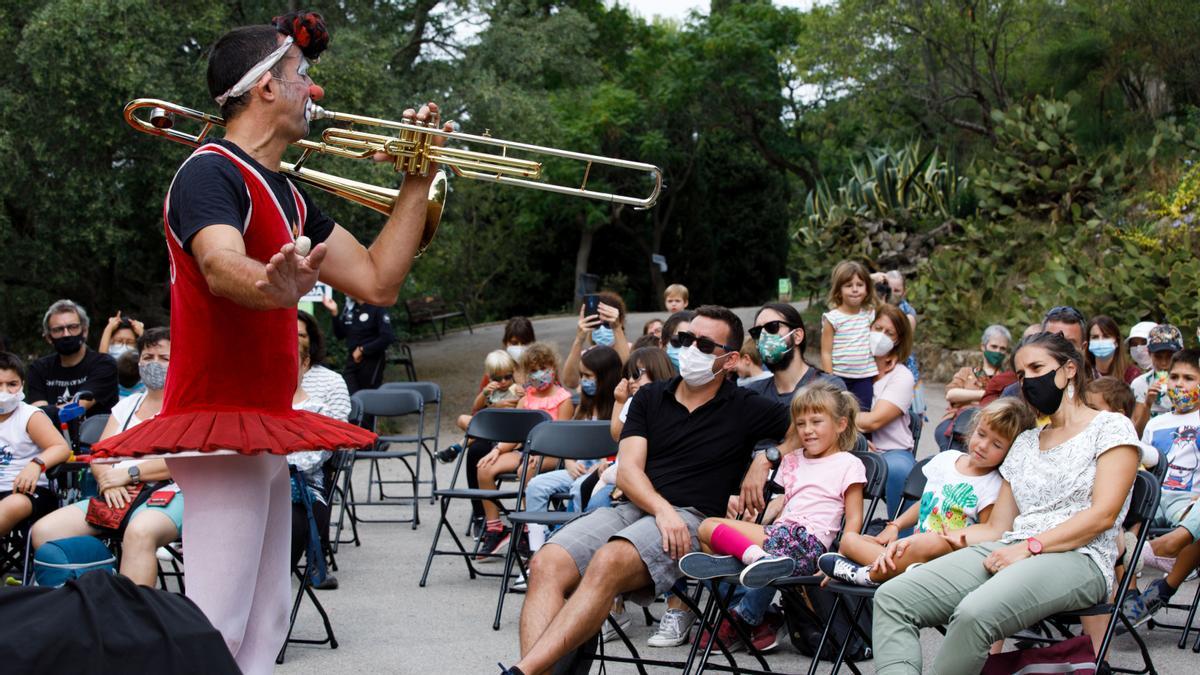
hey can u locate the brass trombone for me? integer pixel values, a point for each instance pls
(413, 151)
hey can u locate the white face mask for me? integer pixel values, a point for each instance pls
(515, 351)
(881, 344)
(9, 402)
(696, 367)
(1141, 356)
(117, 350)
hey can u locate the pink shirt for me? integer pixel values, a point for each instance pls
(549, 402)
(815, 491)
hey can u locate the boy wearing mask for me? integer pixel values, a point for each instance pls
(1150, 389)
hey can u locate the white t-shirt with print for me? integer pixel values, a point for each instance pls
(1174, 435)
(1053, 485)
(1141, 388)
(952, 500)
(16, 447)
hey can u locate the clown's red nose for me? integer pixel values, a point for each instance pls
(316, 92)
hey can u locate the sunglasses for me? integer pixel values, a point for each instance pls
(637, 374)
(771, 327)
(502, 378)
(1063, 312)
(705, 345)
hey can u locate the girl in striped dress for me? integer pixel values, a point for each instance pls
(846, 330)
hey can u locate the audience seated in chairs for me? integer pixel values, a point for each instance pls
(542, 392)
(969, 385)
(605, 328)
(822, 483)
(501, 389)
(146, 526)
(58, 379)
(683, 449)
(1056, 551)
(960, 489)
(888, 419)
(29, 445)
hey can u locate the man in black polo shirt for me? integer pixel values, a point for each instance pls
(685, 446)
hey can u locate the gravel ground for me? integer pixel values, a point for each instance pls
(385, 623)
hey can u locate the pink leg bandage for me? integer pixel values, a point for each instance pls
(728, 541)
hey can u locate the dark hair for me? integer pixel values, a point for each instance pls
(1066, 314)
(1060, 349)
(647, 341)
(232, 56)
(611, 299)
(153, 336)
(790, 315)
(655, 362)
(10, 361)
(672, 323)
(1189, 357)
(519, 328)
(316, 341)
(605, 362)
(646, 326)
(124, 324)
(1114, 392)
(1112, 330)
(717, 313)
(128, 374)
(903, 328)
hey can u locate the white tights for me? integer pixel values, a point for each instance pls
(236, 534)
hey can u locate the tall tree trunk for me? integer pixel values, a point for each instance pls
(586, 234)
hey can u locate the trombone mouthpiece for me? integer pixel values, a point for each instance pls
(314, 111)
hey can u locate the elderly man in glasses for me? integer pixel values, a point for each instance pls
(686, 445)
(56, 380)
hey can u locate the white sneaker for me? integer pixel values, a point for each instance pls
(673, 628)
(608, 633)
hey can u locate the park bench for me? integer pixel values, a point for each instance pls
(431, 309)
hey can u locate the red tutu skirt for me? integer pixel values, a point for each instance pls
(247, 433)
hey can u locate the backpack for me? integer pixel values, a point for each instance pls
(805, 633)
(59, 561)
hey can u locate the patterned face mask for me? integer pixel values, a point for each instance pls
(1184, 399)
(772, 348)
(539, 380)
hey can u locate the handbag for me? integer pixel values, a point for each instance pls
(1073, 656)
(100, 514)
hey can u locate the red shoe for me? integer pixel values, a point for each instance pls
(727, 636)
(765, 636)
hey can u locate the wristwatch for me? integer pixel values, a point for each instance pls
(40, 462)
(135, 474)
(773, 455)
(1034, 546)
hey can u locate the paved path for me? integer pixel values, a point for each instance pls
(385, 623)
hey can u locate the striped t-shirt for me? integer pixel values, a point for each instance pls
(329, 389)
(852, 344)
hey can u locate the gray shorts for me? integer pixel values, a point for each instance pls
(584, 536)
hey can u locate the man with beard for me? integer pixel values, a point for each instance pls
(779, 334)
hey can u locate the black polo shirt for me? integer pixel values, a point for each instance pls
(697, 459)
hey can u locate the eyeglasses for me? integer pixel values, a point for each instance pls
(705, 345)
(771, 327)
(69, 329)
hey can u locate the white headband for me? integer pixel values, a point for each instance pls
(252, 76)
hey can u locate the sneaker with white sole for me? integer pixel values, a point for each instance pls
(837, 566)
(710, 565)
(673, 628)
(763, 571)
(608, 633)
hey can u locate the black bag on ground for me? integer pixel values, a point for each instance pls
(805, 633)
(103, 623)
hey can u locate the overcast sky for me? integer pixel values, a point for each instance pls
(678, 9)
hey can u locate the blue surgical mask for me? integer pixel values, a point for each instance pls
(673, 354)
(588, 386)
(1102, 348)
(603, 336)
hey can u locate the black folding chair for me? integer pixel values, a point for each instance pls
(344, 462)
(496, 426)
(717, 609)
(568, 440)
(90, 430)
(431, 394)
(378, 403)
(311, 570)
(1142, 505)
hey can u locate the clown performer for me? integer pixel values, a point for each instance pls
(238, 240)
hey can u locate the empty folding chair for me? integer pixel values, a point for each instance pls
(567, 440)
(431, 393)
(495, 426)
(392, 403)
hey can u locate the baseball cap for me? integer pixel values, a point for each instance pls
(1141, 330)
(1165, 337)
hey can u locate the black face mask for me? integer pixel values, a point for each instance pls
(68, 344)
(1042, 393)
